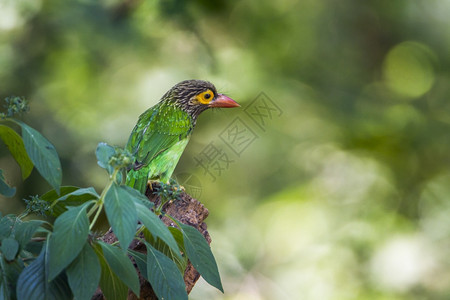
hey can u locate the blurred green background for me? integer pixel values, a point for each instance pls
(331, 181)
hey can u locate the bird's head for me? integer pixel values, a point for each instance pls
(195, 96)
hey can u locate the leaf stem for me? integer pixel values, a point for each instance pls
(93, 209)
(139, 231)
(101, 200)
(23, 214)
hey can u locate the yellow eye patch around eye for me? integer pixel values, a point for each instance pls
(205, 97)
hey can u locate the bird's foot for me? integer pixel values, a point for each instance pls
(150, 184)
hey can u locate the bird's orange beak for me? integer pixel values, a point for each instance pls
(223, 101)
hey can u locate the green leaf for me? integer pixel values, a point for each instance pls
(34, 248)
(112, 287)
(15, 145)
(24, 231)
(5, 189)
(74, 198)
(9, 248)
(138, 197)
(156, 227)
(84, 273)
(164, 276)
(6, 225)
(69, 235)
(43, 155)
(9, 273)
(178, 236)
(162, 247)
(70, 195)
(51, 195)
(122, 266)
(104, 153)
(121, 213)
(141, 262)
(200, 255)
(80, 191)
(33, 282)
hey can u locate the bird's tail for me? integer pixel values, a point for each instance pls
(137, 179)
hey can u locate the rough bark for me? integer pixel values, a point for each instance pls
(188, 211)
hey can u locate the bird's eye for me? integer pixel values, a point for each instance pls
(205, 97)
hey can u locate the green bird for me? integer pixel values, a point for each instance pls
(163, 131)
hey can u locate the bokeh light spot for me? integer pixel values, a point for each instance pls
(408, 69)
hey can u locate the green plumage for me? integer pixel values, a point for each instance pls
(157, 141)
(163, 131)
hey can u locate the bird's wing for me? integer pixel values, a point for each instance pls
(157, 130)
